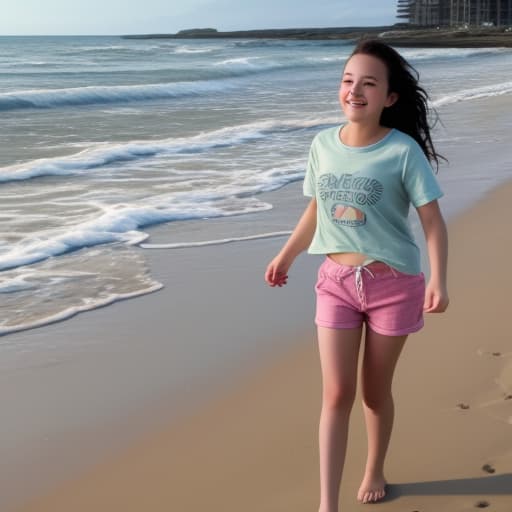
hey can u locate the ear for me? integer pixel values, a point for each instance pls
(392, 99)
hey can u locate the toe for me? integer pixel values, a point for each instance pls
(372, 496)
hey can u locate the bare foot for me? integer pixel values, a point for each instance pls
(372, 489)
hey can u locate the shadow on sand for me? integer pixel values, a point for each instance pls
(499, 484)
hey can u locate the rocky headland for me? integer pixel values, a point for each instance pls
(394, 35)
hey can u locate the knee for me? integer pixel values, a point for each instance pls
(377, 399)
(338, 396)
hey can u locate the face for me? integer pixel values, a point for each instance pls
(364, 89)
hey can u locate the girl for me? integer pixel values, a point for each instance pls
(362, 177)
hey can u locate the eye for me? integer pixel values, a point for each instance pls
(370, 84)
(346, 81)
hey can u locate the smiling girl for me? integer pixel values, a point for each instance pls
(362, 177)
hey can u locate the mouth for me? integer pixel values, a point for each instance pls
(359, 103)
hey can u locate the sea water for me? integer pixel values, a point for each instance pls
(103, 138)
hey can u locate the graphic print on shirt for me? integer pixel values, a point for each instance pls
(346, 194)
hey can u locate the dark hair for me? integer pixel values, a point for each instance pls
(410, 113)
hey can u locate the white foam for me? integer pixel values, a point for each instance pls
(220, 241)
(194, 49)
(417, 54)
(15, 284)
(335, 58)
(474, 93)
(256, 64)
(119, 219)
(238, 61)
(102, 48)
(121, 223)
(102, 155)
(72, 311)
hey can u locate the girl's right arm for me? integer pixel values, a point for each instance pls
(277, 270)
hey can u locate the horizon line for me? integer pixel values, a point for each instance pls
(197, 28)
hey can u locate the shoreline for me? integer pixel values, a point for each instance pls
(400, 37)
(257, 439)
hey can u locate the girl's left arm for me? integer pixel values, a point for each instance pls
(436, 235)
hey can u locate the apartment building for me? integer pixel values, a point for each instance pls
(450, 13)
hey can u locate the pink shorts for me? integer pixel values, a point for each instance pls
(389, 301)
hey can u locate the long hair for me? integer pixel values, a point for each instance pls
(410, 113)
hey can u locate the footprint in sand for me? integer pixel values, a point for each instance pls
(492, 353)
(462, 406)
(496, 402)
(482, 504)
(488, 468)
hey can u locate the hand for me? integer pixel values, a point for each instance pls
(277, 272)
(436, 298)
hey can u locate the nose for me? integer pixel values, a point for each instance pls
(355, 90)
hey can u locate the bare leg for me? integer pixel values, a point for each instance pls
(339, 349)
(380, 357)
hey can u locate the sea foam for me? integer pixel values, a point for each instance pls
(102, 155)
(474, 93)
(220, 241)
(120, 224)
(70, 312)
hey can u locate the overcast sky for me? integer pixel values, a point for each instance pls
(74, 17)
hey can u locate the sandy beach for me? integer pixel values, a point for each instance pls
(254, 446)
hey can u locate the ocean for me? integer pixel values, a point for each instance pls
(105, 138)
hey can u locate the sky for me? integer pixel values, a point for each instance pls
(114, 17)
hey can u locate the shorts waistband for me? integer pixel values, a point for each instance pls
(339, 269)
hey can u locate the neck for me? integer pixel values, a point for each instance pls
(354, 134)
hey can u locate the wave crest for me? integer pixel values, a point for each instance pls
(91, 95)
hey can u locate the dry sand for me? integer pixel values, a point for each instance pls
(255, 447)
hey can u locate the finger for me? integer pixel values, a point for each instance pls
(274, 274)
(281, 280)
(434, 305)
(429, 309)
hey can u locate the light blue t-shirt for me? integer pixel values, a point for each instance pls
(363, 196)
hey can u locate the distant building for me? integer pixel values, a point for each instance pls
(450, 13)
